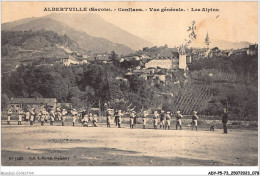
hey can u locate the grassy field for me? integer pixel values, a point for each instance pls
(37, 145)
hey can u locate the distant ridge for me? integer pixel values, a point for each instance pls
(96, 26)
(87, 42)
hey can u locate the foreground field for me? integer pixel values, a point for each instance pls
(68, 146)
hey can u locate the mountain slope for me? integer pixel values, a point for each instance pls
(84, 40)
(96, 26)
(30, 46)
(9, 25)
(223, 44)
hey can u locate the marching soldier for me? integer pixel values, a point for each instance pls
(9, 113)
(38, 114)
(119, 118)
(135, 119)
(46, 116)
(75, 114)
(42, 117)
(27, 115)
(94, 121)
(84, 112)
(59, 114)
(168, 120)
(90, 117)
(20, 115)
(32, 116)
(132, 115)
(162, 119)
(195, 120)
(145, 114)
(116, 117)
(62, 120)
(85, 120)
(62, 114)
(155, 119)
(178, 118)
(52, 116)
(79, 116)
(225, 120)
(109, 116)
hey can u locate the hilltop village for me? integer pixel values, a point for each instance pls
(157, 62)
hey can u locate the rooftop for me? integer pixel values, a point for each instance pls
(48, 101)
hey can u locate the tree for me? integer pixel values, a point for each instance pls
(4, 101)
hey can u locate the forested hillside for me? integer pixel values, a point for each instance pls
(29, 46)
(233, 82)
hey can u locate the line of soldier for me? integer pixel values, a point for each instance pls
(44, 116)
(165, 119)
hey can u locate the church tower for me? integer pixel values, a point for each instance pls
(207, 41)
(182, 58)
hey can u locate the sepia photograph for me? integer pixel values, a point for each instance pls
(129, 84)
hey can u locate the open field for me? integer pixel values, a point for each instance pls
(101, 146)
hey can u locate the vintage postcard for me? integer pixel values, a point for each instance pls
(130, 83)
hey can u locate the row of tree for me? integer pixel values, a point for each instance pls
(87, 85)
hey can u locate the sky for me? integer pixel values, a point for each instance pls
(235, 21)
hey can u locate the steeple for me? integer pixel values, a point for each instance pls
(207, 41)
(182, 58)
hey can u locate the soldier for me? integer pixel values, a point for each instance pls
(195, 120)
(109, 116)
(162, 119)
(116, 117)
(35, 115)
(59, 114)
(168, 120)
(62, 120)
(84, 112)
(119, 118)
(94, 121)
(38, 114)
(20, 115)
(62, 116)
(52, 116)
(155, 119)
(90, 117)
(46, 116)
(32, 116)
(75, 114)
(225, 120)
(79, 116)
(27, 115)
(145, 114)
(135, 119)
(85, 120)
(132, 115)
(42, 117)
(9, 113)
(178, 118)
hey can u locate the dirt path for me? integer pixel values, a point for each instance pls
(101, 146)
